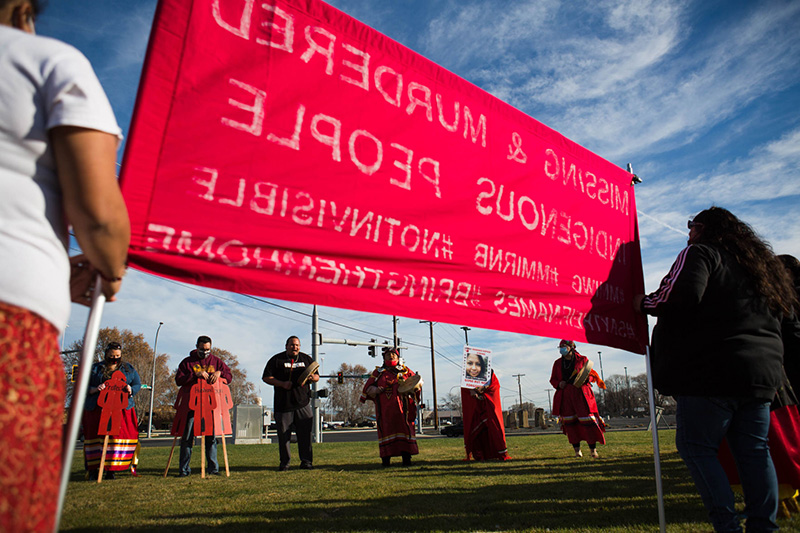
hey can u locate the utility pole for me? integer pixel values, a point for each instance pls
(549, 405)
(466, 337)
(433, 378)
(394, 329)
(519, 384)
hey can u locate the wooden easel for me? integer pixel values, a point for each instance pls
(113, 399)
(224, 403)
(221, 403)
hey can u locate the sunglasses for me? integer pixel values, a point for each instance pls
(691, 224)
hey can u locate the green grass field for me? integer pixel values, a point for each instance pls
(544, 488)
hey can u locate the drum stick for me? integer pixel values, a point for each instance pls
(169, 461)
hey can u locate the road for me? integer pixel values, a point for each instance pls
(371, 435)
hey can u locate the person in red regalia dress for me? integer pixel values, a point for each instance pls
(484, 431)
(575, 405)
(395, 413)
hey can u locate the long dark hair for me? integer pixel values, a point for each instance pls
(792, 265)
(37, 5)
(722, 229)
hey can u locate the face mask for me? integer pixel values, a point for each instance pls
(113, 360)
(564, 350)
(202, 353)
(392, 362)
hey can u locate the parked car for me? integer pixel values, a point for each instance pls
(455, 430)
(366, 424)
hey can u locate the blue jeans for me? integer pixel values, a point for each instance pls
(702, 424)
(187, 441)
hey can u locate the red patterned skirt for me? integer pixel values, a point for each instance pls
(121, 449)
(31, 413)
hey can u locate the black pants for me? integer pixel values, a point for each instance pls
(303, 421)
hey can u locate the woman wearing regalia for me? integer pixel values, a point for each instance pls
(395, 411)
(484, 431)
(122, 450)
(575, 404)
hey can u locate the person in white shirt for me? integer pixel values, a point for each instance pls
(58, 141)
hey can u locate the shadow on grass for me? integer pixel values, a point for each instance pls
(453, 495)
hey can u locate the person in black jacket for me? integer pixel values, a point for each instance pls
(717, 349)
(292, 402)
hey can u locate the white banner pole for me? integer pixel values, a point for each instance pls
(653, 420)
(79, 393)
(656, 454)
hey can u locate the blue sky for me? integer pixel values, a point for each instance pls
(701, 97)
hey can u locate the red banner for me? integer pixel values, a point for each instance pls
(281, 148)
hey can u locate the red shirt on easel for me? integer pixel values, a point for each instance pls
(203, 402)
(113, 399)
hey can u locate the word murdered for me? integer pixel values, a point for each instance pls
(354, 67)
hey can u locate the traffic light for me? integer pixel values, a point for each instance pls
(74, 371)
(371, 349)
(340, 377)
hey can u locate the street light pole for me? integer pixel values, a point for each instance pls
(153, 383)
(628, 394)
(600, 357)
(466, 337)
(449, 397)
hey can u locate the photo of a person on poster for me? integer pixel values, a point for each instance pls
(476, 367)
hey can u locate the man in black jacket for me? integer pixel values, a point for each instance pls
(717, 349)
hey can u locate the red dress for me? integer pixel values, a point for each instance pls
(784, 448)
(396, 414)
(484, 432)
(31, 412)
(576, 406)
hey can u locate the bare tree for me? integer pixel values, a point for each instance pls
(616, 396)
(137, 352)
(622, 399)
(453, 402)
(641, 397)
(344, 397)
(242, 390)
